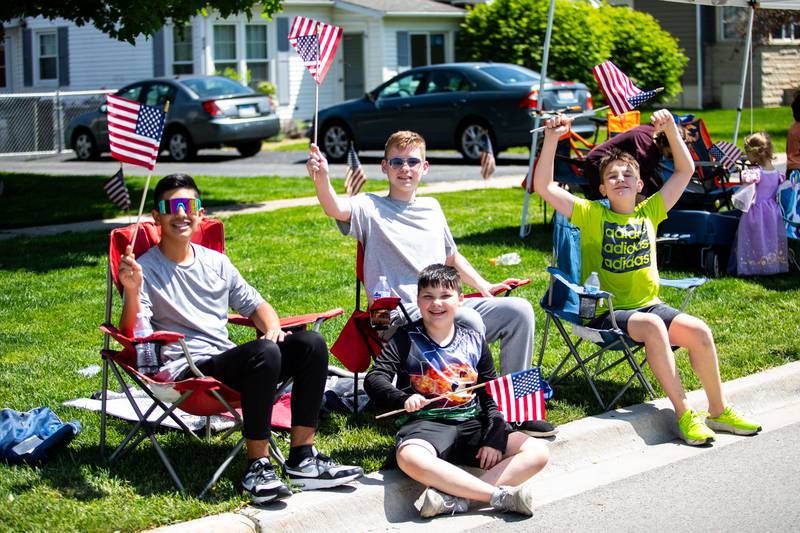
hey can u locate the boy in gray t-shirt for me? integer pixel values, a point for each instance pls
(188, 289)
(402, 234)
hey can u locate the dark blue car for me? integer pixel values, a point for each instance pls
(453, 105)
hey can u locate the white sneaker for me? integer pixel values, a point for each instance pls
(436, 503)
(321, 472)
(517, 499)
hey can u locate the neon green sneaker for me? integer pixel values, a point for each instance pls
(732, 422)
(693, 430)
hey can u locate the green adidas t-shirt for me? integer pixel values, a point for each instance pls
(621, 249)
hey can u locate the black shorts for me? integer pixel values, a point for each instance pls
(456, 442)
(663, 311)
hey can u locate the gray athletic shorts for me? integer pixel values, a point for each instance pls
(663, 311)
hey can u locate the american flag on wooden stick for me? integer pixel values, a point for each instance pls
(354, 178)
(117, 191)
(134, 131)
(618, 89)
(726, 153)
(519, 396)
(488, 164)
(316, 42)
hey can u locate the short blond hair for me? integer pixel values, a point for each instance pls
(403, 140)
(758, 147)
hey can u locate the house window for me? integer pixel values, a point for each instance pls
(787, 32)
(256, 52)
(427, 49)
(224, 47)
(733, 21)
(47, 49)
(2, 64)
(182, 52)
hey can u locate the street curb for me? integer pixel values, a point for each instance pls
(385, 500)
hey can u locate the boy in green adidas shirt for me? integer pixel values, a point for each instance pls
(619, 244)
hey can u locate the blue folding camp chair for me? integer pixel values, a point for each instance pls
(561, 304)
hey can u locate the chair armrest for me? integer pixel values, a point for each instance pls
(289, 322)
(580, 290)
(511, 282)
(684, 283)
(166, 337)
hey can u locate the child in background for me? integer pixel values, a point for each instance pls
(760, 246)
(793, 140)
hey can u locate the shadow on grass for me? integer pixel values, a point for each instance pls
(43, 254)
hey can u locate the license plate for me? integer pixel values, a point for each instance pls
(248, 111)
(566, 95)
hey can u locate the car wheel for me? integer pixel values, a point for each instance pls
(335, 141)
(472, 138)
(84, 146)
(711, 263)
(249, 149)
(180, 146)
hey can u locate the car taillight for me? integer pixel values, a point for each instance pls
(589, 102)
(531, 101)
(211, 107)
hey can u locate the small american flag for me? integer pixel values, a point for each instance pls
(134, 131)
(726, 153)
(519, 396)
(354, 178)
(488, 165)
(117, 191)
(618, 89)
(316, 42)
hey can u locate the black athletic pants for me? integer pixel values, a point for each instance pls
(255, 369)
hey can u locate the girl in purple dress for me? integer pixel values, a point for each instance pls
(760, 246)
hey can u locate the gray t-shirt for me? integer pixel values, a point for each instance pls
(399, 239)
(194, 300)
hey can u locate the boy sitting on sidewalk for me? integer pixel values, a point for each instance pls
(632, 275)
(433, 356)
(188, 289)
(402, 233)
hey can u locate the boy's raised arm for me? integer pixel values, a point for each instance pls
(672, 190)
(561, 199)
(317, 165)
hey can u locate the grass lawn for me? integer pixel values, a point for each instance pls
(51, 301)
(77, 198)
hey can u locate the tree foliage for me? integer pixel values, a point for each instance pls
(513, 31)
(126, 19)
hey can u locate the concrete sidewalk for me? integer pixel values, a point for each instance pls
(108, 224)
(386, 500)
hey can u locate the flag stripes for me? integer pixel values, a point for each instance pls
(354, 178)
(117, 191)
(618, 89)
(316, 42)
(134, 131)
(519, 396)
(488, 163)
(726, 153)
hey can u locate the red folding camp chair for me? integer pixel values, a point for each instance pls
(358, 343)
(199, 395)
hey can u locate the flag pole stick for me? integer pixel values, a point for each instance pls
(445, 395)
(316, 86)
(144, 192)
(581, 115)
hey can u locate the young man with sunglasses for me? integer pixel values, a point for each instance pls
(188, 289)
(402, 234)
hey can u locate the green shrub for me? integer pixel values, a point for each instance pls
(513, 31)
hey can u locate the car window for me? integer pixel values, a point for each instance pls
(157, 94)
(403, 86)
(215, 86)
(445, 81)
(509, 74)
(131, 93)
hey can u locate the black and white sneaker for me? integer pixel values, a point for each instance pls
(263, 484)
(321, 472)
(535, 428)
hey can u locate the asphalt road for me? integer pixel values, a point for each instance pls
(445, 166)
(751, 485)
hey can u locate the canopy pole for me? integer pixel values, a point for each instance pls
(743, 78)
(523, 231)
(699, 34)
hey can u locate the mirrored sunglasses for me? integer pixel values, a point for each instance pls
(170, 207)
(397, 162)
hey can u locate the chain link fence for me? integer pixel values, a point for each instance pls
(35, 123)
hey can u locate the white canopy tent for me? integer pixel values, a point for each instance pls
(763, 4)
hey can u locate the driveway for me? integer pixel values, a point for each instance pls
(445, 166)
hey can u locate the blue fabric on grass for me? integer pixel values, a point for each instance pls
(28, 437)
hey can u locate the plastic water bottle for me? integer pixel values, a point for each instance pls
(588, 306)
(146, 357)
(380, 318)
(512, 258)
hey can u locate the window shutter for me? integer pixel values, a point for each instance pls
(27, 58)
(402, 50)
(63, 56)
(283, 34)
(158, 53)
